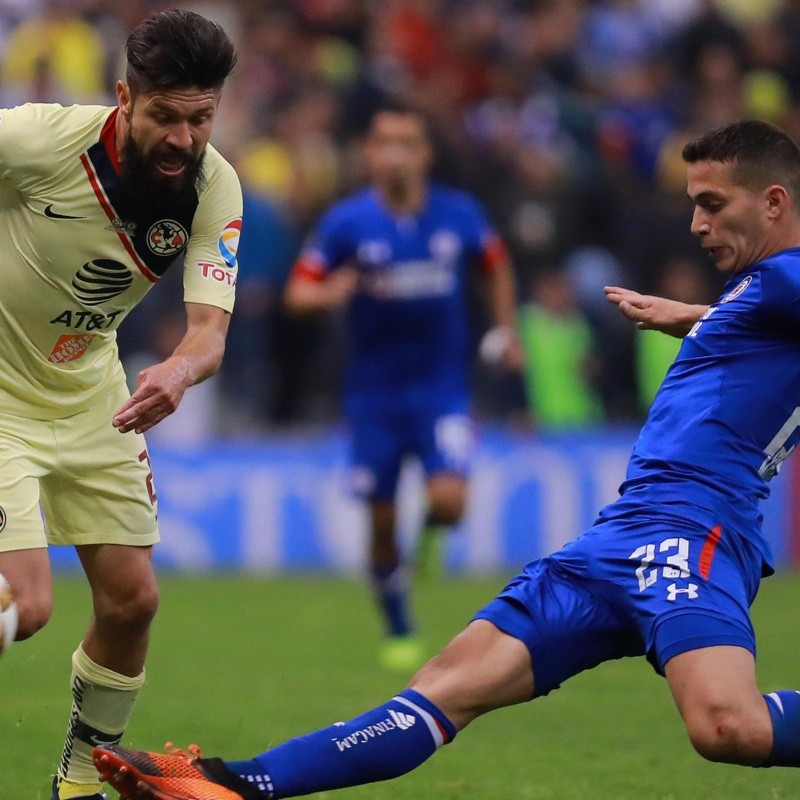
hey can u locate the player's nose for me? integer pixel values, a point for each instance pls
(700, 223)
(179, 136)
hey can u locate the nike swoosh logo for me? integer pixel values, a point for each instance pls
(48, 212)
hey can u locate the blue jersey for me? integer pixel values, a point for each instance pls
(408, 318)
(728, 411)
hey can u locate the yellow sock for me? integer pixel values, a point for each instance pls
(102, 701)
(68, 790)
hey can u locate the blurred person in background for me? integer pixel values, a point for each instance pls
(250, 379)
(396, 256)
(682, 279)
(54, 55)
(559, 361)
(98, 203)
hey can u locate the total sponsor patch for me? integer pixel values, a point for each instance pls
(229, 242)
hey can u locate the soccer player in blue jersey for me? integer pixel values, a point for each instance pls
(397, 256)
(668, 571)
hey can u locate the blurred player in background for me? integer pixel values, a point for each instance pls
(397, 255)
(96, 204)
(668, 571)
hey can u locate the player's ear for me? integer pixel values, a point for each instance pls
(778, 200)
(124, 99)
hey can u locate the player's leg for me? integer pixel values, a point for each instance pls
(401, 650)
(444, 440)
(692, 598)
(446, 501)
(377, 453)
(726, 716)
(108, 665)
(28, 573)
(481, 669)
(542, 624)
(25, 455)
(102, 502)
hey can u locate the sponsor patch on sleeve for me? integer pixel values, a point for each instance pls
(229, 242)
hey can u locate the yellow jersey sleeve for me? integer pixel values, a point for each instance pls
(210, 266)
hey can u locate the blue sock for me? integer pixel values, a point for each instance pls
(390, 585)
(388, 741)
(784, 709)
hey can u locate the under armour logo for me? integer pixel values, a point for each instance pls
(403, 721)
(673, 591)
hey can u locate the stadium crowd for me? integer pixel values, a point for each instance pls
(565, 117)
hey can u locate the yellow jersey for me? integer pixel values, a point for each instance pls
(75, 257)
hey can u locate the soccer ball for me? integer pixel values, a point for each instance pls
(8, 615)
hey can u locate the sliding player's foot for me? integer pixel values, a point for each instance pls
(174, 775)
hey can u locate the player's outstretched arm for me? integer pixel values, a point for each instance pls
(655, 313)
(304, 295)
(160, 388)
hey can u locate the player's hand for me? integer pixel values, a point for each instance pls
(501, 346)
(340, 286)
(159, 390)
(654, 313)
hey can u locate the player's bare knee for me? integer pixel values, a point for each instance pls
(34, 612)
(132, 612)
(448, 513)
(447, 508)
(729, 736)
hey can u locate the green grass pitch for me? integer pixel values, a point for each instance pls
(239, 663)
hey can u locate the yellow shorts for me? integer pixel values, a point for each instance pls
(94, 483)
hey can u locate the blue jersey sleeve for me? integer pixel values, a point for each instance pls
(331, 244)
(479, 234)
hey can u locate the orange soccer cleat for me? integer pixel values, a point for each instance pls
(173, 775)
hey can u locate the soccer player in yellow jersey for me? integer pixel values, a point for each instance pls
(95, 204)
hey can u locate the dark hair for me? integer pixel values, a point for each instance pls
(178, 49)
(392, 105)
(762, 153)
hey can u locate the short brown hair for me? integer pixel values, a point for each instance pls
(762, 153)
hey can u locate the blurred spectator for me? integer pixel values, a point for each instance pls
(560, 365)
(55, 55)
(682, 279)
(248, 377)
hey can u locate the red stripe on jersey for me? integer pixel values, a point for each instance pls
(308, 269)
(106, 205)
(707, 553)
(108, 136)
(494, 254)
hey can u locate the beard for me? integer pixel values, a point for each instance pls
(142, 185)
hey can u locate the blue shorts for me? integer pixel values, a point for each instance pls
(656, 586)
(442, 439)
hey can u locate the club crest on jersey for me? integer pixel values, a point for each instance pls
(229, 242)
(444, 244)
(2, 518)
(167, 237)
(374, 251)
(735, 292)
(101, 280)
